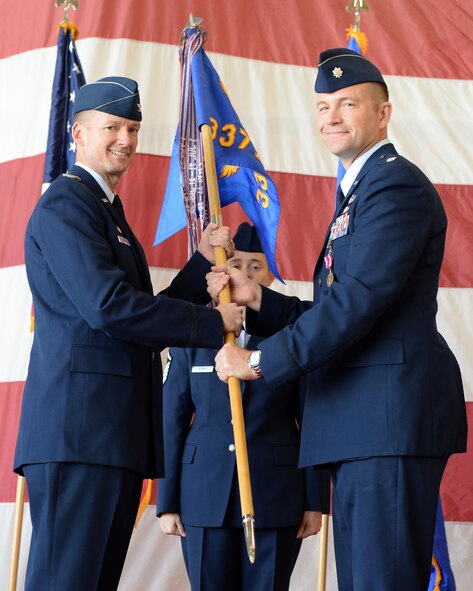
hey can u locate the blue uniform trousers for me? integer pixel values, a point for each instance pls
(384, 511)
(83, 517)
(216, 558)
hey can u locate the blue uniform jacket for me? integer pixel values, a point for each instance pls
(382, 379)
(94, 387)
(200, 456)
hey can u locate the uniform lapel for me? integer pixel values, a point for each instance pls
(136, 246)
(373, 160)
(118, 216)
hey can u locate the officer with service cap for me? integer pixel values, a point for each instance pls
(384, 406)
(91, 426)
(199, 498)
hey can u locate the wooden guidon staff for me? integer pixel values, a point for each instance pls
(17, 528)
(243, 470)
(323, 540)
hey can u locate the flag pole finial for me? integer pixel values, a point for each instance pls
(357, 6)
(67, 5)
(194, 24)
(194, 21)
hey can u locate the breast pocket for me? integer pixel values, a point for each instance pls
(341, 251)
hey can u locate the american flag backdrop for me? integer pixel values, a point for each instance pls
(265, 52)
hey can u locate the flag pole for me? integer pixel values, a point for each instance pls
(243, 470)
(356, 6)
(322, 571)
(17, 527)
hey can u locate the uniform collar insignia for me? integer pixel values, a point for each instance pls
(71, 176)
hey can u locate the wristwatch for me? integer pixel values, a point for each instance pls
(254, 359)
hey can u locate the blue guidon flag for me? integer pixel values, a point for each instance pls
(68, 78)
(240, 172)
(441, 574)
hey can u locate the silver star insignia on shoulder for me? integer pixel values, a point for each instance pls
(391, 159)
(337, 72)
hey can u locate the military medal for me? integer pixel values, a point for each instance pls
(328, 259)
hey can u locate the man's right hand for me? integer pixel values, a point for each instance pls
(171, 525)
(232, 316)
(244, 291)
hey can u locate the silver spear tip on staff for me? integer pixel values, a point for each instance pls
(249, 529)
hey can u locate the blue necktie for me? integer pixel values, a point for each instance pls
(340, 198)
(118, 205)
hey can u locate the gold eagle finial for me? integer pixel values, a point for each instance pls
(357, 5)
(67, 5)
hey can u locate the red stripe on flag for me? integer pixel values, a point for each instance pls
(21, 187)
(306, 209)
(10, 403)
(293, 32)
(457, 483)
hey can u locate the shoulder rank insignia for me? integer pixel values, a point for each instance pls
(123, 240)
(71, 176)
(391, 159)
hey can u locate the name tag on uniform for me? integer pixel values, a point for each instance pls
(123, 240)
(340, 226)
(202, 368)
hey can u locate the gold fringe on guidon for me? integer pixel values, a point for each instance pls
(360, 38)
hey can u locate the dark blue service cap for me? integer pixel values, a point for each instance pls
(247, 239)
(342, 67)
(114, 95)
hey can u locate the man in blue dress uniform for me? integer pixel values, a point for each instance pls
(199, 497)
(91, 419)
(384, 405)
